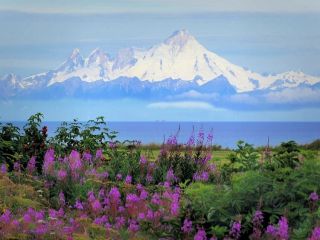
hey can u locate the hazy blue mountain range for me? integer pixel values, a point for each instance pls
(178, 69)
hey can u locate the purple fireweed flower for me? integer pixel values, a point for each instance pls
(119, 177)
(191, 140)
(257, 224)
(17, 167)
(149, 178)
(132, 198)
(139, 187)
(313, 197)
(5, 217)
(104, 175)
(143, 160)
(187, 226)
(315, 235)
(257, 218)
(112, 145)
(99, 154)
(91, 196)
(174, 208)
(62, 199)
(152, 165)
(200, 235)
(172, 141)
(27, 218)
(39, 215)
(78, 205)
(209, 138)
(150, 214)
(141, 216)
(155, 199)
(101, 220)
(96, 206)
(3, 168)
(74, 155)
(31, 167)
(60, 213)
(108, 226)
(121, 209)
(201, 176)
(206, 159)
(120, 222)
(15, 223)
(75, 161)
(128, 179)
(40, 230)
(48, 162)
(114, 193)
(133, 226)
(200, 137)
(271, 230)
(86, 156)
(53, 214)
(283, 228)
(170, 177)
(235, 230)
(62, 174)
(102, 193)
(212, 167)
(143, 194)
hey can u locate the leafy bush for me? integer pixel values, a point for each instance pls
(286, 155)
(315, 145)
(10, 144)
(243, 158)
(178, 162)
(76, 135)
(20, 147)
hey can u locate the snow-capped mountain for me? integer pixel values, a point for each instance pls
(180, 63)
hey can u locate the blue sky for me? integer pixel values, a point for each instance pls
(265, 36)
(159, 6)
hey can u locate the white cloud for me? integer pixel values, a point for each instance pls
(299, 95)
(195, 95)
(182, 105)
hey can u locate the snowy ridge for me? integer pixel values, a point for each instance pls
(180, 57)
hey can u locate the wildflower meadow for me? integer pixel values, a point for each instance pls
(82, 183)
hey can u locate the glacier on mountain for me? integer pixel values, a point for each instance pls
(177, 66)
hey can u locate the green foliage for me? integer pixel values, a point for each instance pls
(244, 158)
(80, 136)
(20, 196)
(20, 147)
(185, 161)
(10, 144)
(124, 159)
(315, 145)
(219, 231)
(287, 155)
(200, 197)
(34, 140)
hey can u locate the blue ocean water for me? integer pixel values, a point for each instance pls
(225, 134)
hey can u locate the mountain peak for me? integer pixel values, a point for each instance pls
(97, 57)
(180, 38)
(74, 61)
(75, 53)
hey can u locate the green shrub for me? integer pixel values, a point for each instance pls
(80, 136)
